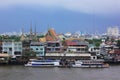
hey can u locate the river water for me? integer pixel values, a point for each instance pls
(30, 73)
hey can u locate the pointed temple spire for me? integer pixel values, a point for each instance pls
(31, 33)
(22, 38)
(35, 30)
(31, 29)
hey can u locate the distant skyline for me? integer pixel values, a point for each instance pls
(88, 16)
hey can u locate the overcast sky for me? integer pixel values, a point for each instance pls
(64, 15)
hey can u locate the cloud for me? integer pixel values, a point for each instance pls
(104, 7)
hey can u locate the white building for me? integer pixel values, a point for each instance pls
(68, 34)
(12, 48)
(95, 50)
(113, 31)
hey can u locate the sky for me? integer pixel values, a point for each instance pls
(87, 16)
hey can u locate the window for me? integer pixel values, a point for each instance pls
(78, 49)
(41, 48)
(57, 49)
(94, 57)
(31, 48)
(53, 45)
(20, 48)
(5, 52)
(49, 44)
(36, 48)
(5, 48)
(17, 53)
(52, 49)
(10, 49)
(15, 47)
(41, 52)
(49, 49)
(15, 44)
(57, 44)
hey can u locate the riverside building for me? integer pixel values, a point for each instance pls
(12, 48)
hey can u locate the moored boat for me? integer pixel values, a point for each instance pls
(90, 64)
(43, 63)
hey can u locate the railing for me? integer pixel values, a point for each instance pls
(67, 54)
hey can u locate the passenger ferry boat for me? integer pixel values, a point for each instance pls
(43, 63)
(90, 63)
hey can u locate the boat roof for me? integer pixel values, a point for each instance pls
(93, 60)
(46, 60)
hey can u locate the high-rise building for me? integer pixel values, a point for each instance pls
(113, 31)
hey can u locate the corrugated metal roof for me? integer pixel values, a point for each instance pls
(73, 43)
(37, 43)
(70, 43)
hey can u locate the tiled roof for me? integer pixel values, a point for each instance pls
(51, 35)
(49, 38)
(42, 39)
(37, 43)
(115, 51)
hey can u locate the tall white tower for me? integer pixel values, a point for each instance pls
(113, 31)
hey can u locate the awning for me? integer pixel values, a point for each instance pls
(4, 55)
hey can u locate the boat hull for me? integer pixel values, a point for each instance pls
(91, 66)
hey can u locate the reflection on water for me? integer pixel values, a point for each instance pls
(30, 73)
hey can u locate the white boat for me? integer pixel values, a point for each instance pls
(90, 63)
(43, 63)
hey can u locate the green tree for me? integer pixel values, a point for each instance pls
(16, 38)
(118, 44)
(30, 54)
(97, 42)
(90, 41)
(1, 38)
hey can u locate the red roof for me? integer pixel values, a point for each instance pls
(116, 51)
